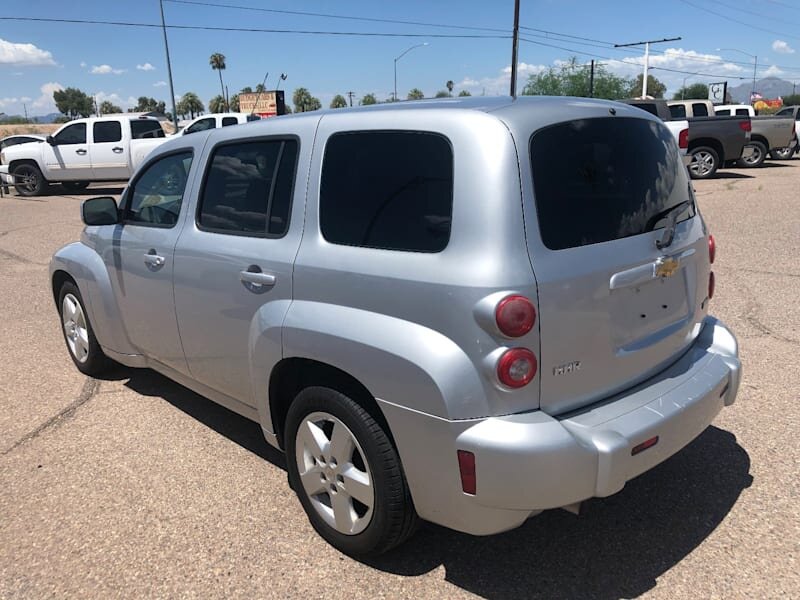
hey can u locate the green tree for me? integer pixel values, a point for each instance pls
(304, 101)
(235, 103)
(464, 94)
(696, 91)
(260, 89)
(338, 101)
(73, 103)
(109, 108)
(442, 94)
(217, 62)
(415, 94)
(246, 90)
(449, 85)
(145, 104)
(190, 104)
(655, 88)
(216, 104)
(368, 99)
(572, 79)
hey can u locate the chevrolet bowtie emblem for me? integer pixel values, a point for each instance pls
(667, 266)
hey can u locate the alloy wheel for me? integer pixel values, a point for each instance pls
(75, 329)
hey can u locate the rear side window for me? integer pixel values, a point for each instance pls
(107, 131)
(699, 110)
(597, 180)
(651, 108)
(248, 188)
(742, 112)
(229, 121)
(387, 189)
(146, 128)
(678, 111)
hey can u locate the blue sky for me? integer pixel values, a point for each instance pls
(122, 63)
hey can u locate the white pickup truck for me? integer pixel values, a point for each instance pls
(82, 152)
(217, 120)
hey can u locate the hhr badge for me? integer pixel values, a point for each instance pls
(567, 368)
(667, 266)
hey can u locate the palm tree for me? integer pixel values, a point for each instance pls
(217, 62)
(449, 85)
(338, 101)
(416, 94)
(216, 104)
(191, 104)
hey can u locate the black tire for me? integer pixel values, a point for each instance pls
(757, 158)
(782, 153)
(74, 186)
(28, 180)
(393, 518)
(93, 361)
(705, 162)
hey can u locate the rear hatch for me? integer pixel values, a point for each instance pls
(614, 309)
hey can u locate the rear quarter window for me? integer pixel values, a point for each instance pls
(597, 180)
(146, 128)
(387, 189)
(678, 111)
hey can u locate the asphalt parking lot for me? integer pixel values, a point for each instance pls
(132, 486)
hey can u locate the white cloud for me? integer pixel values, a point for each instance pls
(146, 67)
(23, 54)
(773, 71)
(83, 64)
(114, 98)
(782, 47)
(500, 84)
(44, 104)
(159, 84)
(105, 70)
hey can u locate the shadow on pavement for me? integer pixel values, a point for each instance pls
(617, 548)
(730, 175)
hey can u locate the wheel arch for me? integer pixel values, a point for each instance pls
(710, 143)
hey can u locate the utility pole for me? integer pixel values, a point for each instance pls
(169, 67)
(514, 50)
(25, 108)
(591, 81)
(646, 56)
(350, 96)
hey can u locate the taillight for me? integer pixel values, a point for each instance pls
(745, 125)
(466, 466)
(683, 139)
(711, 285)
(712, 249)
(516, 367)
(515, 315)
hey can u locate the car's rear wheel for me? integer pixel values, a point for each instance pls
(758, 156)
(347, 474)
(28, 180)
(705, 162)
(82, 345)
(75, 186)
(782, 153)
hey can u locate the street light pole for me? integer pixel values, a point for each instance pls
(406, 51)
(755, 66)
(169, 67)
(646, 56)
(683, 87)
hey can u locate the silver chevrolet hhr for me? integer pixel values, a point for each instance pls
(465, 311)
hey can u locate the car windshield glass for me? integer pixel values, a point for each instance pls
(597, 180)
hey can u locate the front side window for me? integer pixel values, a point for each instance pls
(107, 131)
(202, 125)
(156, 195)
(387, 189)
(72, 134)
(597, 180)
(248, 188)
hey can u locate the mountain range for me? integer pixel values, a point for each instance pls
(769, 88)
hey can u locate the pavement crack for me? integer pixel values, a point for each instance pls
(88, 391)
(20, 259)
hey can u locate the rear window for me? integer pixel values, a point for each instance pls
(723, 112)
(699, 110)
(146, 128)
(226, 121)
(742, 112)
(597, 180)
(678, 111)
(387, 189)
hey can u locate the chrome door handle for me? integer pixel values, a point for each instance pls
(117, 149)
(257, 278)
(80, 151)
(154, 260)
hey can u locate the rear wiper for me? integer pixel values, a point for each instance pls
(669, 229)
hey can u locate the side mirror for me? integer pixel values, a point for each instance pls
(49, 139)
(100, 211)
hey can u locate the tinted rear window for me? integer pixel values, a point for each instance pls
(107, 131)
(678, 111)
(387, 189)
(699, 110)
(597, 180)
(146, 128)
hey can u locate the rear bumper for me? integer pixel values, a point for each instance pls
(530, 462)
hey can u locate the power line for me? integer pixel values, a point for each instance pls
(257, 29)
(745, 23)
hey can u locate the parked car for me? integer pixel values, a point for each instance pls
(13, 140)
(466, 312)
(217, 120)
(679, 129)
(794, 113)
(82, 151)
(767, 133)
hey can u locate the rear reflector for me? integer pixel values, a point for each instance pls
(712, 249)
(711, 285)
(516, 367)
(466, 465)
(683, 139)
(644, 446)
(745, 125)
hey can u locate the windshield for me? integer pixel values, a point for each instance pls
(597, 180)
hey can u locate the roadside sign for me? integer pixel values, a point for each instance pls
(717, 92)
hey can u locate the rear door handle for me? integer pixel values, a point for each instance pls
(154, 260)
(257, 278)
(117, 150)
(80, 151)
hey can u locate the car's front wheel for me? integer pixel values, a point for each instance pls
(705, 162)
(347, 474)
(28, 180)
(82, 345)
